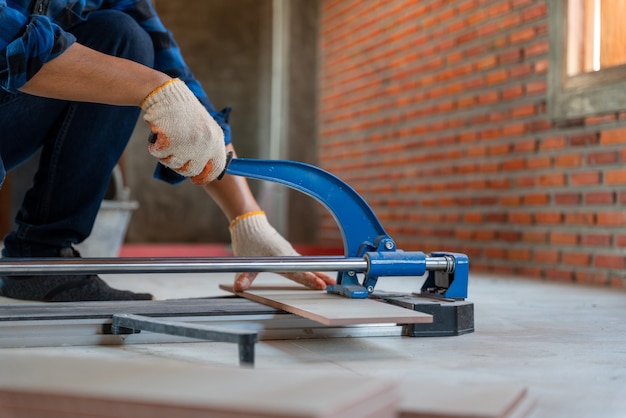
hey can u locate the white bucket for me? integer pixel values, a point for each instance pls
(109, 229)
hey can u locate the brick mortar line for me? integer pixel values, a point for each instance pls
(508, 210)
(391, 99)
(431, 32)
(347, 138)
(338, 82)
(445, 98)
(417, 64)
(350, 33)
(334, 142)
(423, 170)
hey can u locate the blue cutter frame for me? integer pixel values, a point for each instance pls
(362, 233)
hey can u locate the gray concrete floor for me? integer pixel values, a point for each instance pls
(565, 344)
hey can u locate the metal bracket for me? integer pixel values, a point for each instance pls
(123, 323)
(356, 220)
(451, 283)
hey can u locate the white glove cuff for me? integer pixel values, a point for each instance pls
(170, 92)
(252, 235)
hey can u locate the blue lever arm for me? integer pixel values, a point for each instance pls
(357, 222)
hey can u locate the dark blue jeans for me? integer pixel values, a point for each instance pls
(80, 142)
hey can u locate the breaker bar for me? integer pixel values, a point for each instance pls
(44, 266)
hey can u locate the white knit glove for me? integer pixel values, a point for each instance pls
(253, 236)
(189, 141)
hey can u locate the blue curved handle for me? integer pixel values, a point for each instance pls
(357, 222)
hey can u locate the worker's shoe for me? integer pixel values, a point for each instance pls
(64, 288)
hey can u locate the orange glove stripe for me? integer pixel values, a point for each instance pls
(204, 176)
(245, 215)
(155, 91)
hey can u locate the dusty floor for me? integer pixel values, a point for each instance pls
(566, 344)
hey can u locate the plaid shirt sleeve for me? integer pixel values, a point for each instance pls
(26, 43)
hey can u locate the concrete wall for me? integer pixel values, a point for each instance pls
(220, 41)
(303, 212)
(228, 46)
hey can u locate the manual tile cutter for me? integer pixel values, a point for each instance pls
(368, 250)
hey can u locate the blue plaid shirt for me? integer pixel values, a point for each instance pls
(33, 32)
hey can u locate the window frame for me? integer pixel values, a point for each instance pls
(581, 95)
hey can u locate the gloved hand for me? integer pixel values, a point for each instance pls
(189, 141)
(252, 235)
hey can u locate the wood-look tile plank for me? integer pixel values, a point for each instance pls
(330, 309)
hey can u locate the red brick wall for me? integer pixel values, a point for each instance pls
(435, 112)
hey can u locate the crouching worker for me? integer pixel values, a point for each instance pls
(74, 79)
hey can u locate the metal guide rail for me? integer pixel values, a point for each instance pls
(45, 266)
(444, 268)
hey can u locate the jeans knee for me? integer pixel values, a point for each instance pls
(116, 33)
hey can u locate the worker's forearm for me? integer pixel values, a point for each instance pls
(83, 74)
(232, 194)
